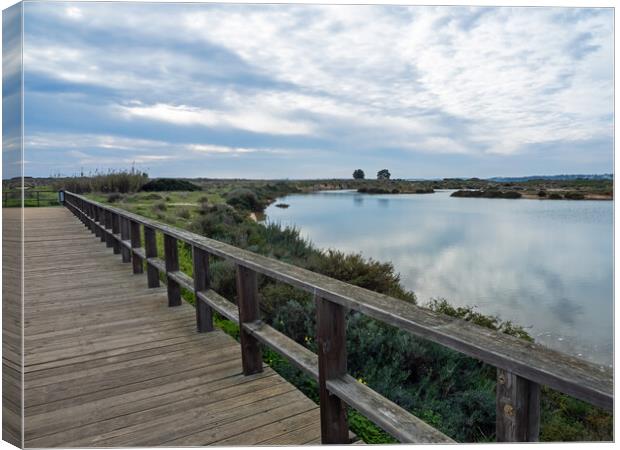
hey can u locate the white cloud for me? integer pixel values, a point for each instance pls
(205, 148)
(254, 121)
(74, 12)
(105, 150)
(42, 141)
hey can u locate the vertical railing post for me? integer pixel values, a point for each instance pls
(204, 315)
(125, 253)
(109, 240)
(96, 221)
(150, 251)
(332, 352)
(517, 408)
(171, 253)
(116, 229)
(102, 234)
(136, 242)
(93, 225)
(247, 301)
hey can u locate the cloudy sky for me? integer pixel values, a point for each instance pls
(276, 91)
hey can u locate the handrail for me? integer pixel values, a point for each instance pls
(522, 366)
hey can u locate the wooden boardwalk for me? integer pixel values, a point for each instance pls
(108, 363)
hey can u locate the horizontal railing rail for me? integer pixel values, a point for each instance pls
(522, 366)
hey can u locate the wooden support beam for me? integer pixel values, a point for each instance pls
(249, 311)
(136, 242)
(331, 340)
(116, 229)
(150, 251)
(171, 253)
(125, 253)
(517, 408)
(204, 314)
(90, 213)
(107, 217)
(101, 222)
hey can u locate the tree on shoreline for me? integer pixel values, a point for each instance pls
(358, 174)
(383, 174)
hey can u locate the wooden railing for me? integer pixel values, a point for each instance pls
(522, 367)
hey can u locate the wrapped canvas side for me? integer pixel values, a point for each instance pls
(12, 226)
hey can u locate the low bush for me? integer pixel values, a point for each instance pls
(153, 197)
(243, 199)
(159, 206)
(218, 222)
(183, 213)
(355, 269)
(113, 198)
(169, 184)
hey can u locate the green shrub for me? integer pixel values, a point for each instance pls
(169, 184)
(153, 197)
(218, 222)
(367, 273)
(184, 213)
(203, 203)
(469, 314)
(243, 199)
(113, 198)
(159, 206)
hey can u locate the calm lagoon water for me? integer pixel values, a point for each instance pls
(546, 265)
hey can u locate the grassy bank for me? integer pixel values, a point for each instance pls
(450, 391)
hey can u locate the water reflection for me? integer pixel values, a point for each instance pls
(546, 265)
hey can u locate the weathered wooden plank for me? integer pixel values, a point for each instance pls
(254, 415)
(192, 391)
(78, 374)
(332, 347)
(304, 435)
(396, 421)
(517, 408)
(150, 251)
(204, 314)
(220, 304)
(116, 378)
(125, 253)
(277, 428)
(249, 311)
(136, 243)
(107, 221)
(158, 425)
(297, 354)
(171, 252)
(116, 228)
(91, 362)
